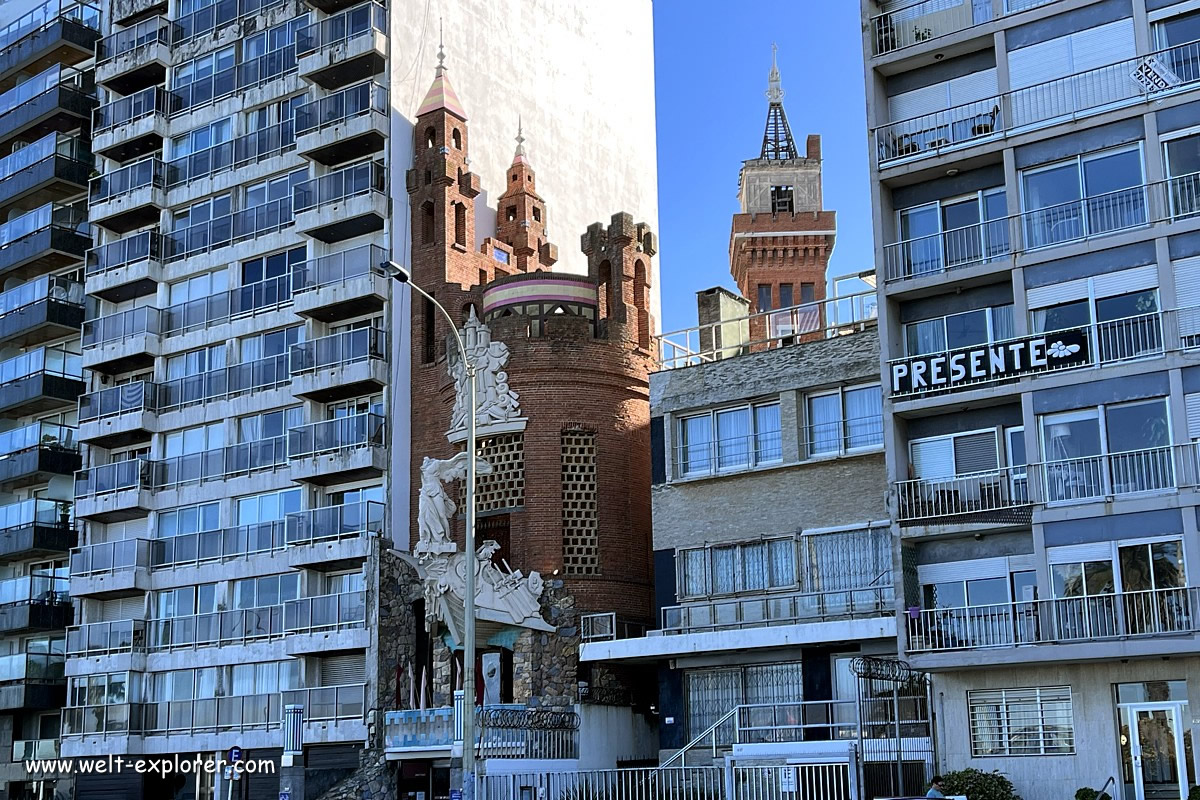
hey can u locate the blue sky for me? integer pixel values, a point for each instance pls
(711, 72)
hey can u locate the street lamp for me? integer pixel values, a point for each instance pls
(404, 275)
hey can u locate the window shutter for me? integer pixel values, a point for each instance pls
(933, 458)
(1039, 63)
(1127, 280)
(1187, 282)
(342, 670)
(975, 453)
(123, 608)
(918, 102)
(1021, 563)
(963, 570)
(1056, 293)
(976, 86)
(1192, 402)
(1072, 553)
(1102, 45)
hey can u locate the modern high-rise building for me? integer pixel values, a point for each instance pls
(1035, 179)
(242, 375)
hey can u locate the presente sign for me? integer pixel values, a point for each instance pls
(987, 362)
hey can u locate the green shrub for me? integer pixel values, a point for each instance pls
(979, 785)
(1088, 793)
(1194, 793)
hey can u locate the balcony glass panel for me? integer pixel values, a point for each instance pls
(145, 103)
(30, 749)
(149, 172)
(340, 28)
(123, 399)
(41, 588)
(230, 228)
(341, 348)
(252, 147)
(108, 557)
(51, 360)
(32, 667)
(107, 637)
(217, 545)
(331, 611)
(43, 82)
(47, 287)
(335, 522)
(112, 477)
(35, 511)
(266, 372)
(123, 252)
(73, 218)
(116, 327)
(340, 106)
(340, 185)
(155, 30)
(54, 144)
(359, 430)
(339, 267)
(45, 15)
(37, 434)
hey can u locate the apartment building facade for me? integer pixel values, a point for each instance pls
(1033, 176)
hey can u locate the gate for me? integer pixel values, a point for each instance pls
(894, 728)
(795, 782)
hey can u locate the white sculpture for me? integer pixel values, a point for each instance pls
(435, 509)
(495, 402)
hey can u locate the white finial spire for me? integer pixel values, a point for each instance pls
(774, 87)
(441, 50)
(520, 137)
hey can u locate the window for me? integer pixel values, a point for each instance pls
(808, 293)
(202, 68)
(782, 200)
(952, 233)
(273, 343)
(958, 454)
(1021, 722)
(537, 215)
(1085, 196)
(196, 362)
(199, 439)
(1181, 162)
(983, 326)
(845, 419)
(187, 520)
(275, 189)
(185, 601)
(269, 425)
(764, 297)
(273, 39)
(268, 590)
(460, 224)
(730, 439)
(114, 688)
(267, 507)
(276, 265)
(372, 404)
(198, 287)
(202, 138)
(201, 213)
(749, 566)
(786, 296)
(1173, 32)
(274, 113)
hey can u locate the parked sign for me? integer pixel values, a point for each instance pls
(985, 362)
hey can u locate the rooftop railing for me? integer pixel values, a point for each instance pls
(47, 14)
(139, 105)
(339, 267)
(345, 433)
(39, 290)
(136, 396)
(56, 77)
(1121, 615)
(350, 521)
(335, 109)
(768, 330)
(122, 325)
(156, 30)
(249, 148)
(106, 638)
(185, 549)
(148, 173)
(264, 295)
(782, 608)
(106, 558)
(132, 249)
(919, 22)
(341, 28)
(340, 185)
(44, 360)
(49, 146)
(1031, 107)
(347, 347)
(52, 215)
(607, 627)
(330, 612)
(45, 434)
(117, 477)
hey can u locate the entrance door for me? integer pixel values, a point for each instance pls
(1152, 751)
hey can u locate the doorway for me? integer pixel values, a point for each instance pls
(1154, 751)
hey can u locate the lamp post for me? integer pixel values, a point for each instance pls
(403, 275)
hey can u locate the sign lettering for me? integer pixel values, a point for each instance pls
(971, 365)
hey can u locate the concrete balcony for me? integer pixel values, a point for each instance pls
(49, 307)
(32, 681)
(346, 48)
(130, 197)
(349, 124)
(34, 603)
(993, 497)
(52, 169)
(44, 240)
(119, 415)
(35, 528)
(335, 537)
(341, 285)
(331, 623)
(127, 268)
(128, 341)
(347, 364)
(98, 640)
(132, 126)
(339, 450)
(114, 492)
(58, 100)
(344, 204)
(35, 453)
(54, 32)
(135, 58)
(44, 379)
(127, 12)
(108, 570)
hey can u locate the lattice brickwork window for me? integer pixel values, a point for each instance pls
(580, 544)
(505, 487)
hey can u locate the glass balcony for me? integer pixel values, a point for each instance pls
(58, 99)
(229, 229)
(264, 295)
(135, 58)
(46, 15)
(915, 23)
(37, 434)
(203, 20)
(127, 268)
(326, 613)
(106, 558)
(219, 629)
(343, 348)
(32, 667)
(116, 718)
(145, 103)
(204, 90)
(357, 114)
(105, 638)
(108, 478)
(71, 218)
(49, 237)
(45, 308)
(357, 431)
(133, 126)
(340, 185)
(144, 34)
(58, 31)
(345, 203)
(145, 174)
(122, 325)
(42, 379)
(35, 511)
(217, 545)
(54, 168)
(44, 589)
(338, 268)
(48, 360)
(220, 463)
(35, 749)
(353, 520)
(226, 382)
(258, 711)
(253, 147)
(359, 36)
(128, 398)
(132, 249)
(341, 28)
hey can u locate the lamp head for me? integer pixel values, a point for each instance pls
(394, 270)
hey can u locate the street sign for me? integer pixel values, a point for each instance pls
(456, 794)
(285, 796)
(787, 780)
(235, 754)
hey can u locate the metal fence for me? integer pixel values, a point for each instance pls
(676, 783)
(828, 781)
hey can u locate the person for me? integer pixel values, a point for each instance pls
(936, 787)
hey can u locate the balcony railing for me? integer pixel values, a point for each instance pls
(122, 325)
(976, 493)
(116, 477)
(44, 360)
(31, 749)
(350, 521)
(156, 30)
(788, 608)
(47, 14)
(1065, 98)
(52, 215)
(607, 627)
(839, 437)
(43, 589)
(127, 398)
(38, 290)
(768, 330)
(250, 148)
(733, 454)
(186, 549)
(145, 103)
(213, 16)
(229, 229)
(51, 145)
(81, 82)
(359, 430)
(219, 463)
(228, 81)
(1078, 220)
(38, 434)
(35, 511)
(218, 629)
(347, 347)
(929, 19)
(340, 185)
(1111, 474)
(337, 108)
(224, 382)
(108, 558)
(249, 299)
(105, 638)
(520, 732)
(248, 712)
(341, 28)
(117, 718)
(330, 612)
(145, 174)
(1154, 612)
(132, 249)
(32, 667)
(337, 268)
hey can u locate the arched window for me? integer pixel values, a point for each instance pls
(603, 289)
(641, 301)
(430, 137)
(427, 222)
(428, 177)
(456, 137)
(460, 224)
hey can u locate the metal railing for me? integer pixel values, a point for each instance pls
(246, 75)
(843, 436)
(47, 14)
(922, 21)
(341, 28)
(47, 287)
(328, 612)
(116, 477)
(248, 712)
(642, 783)
(607, 627)
(30, 749)
(56, 77)
(132, 249)
(784, 608)
(218, 629)
(337, 108)
(970, 493)
(349, 521)
(249, 148)
(52, 215)
(49, 146)
(156, 30)
(347, 347)
(118, 718)
(122, 325)
(832, 780)
(527, 733)
(36, 511)
(147, 173)
(217, 545)
(108, 558)
(1153, 612)
(419, 728)
(342, 184)
(139, 105)
(796, 722)
(767, 330)
(1063, 98)
(104, 638)
(44, 360)
(252, 298)
(732, 454)
(43, 434)
(228, 381)
(332, 435)
(127, 398)
(337, 268)
(228, 229)
(32, 667)
(39, 588)
(1110, 474)
(219, 463)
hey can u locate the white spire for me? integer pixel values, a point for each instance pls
(774, 88)
(441, 50)
(520, 138)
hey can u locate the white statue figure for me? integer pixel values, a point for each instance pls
(494, 400)
(502, 595)
(435, 509)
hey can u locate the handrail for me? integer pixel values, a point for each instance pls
(710, 731)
